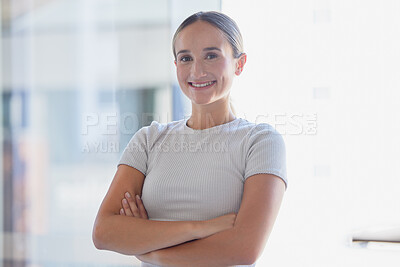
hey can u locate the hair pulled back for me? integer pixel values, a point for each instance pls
(221, 21)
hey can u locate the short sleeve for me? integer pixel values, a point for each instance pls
(136, 152)
(266, 153)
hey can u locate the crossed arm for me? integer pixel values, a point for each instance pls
(218, 242)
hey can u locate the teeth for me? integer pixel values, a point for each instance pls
(201, 84)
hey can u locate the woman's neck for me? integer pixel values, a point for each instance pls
(203, 118)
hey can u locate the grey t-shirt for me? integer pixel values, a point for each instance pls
(200, 174)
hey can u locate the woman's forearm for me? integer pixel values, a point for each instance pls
(135, 236)
(131, 233)
(222, 249)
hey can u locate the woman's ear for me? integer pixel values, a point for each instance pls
(240, 63)
(175, 62)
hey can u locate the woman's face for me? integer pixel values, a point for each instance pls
(205, 64)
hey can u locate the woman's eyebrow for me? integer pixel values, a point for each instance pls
(205, 49)
(183, 51)
(211, 48)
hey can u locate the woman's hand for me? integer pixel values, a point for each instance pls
(216, 225)
(133, 206)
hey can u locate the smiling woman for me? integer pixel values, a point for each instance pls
(225, 201)
(205, 64)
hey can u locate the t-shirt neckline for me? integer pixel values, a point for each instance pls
(211, 129)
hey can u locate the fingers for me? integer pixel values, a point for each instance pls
(142, 210)
(133, 206)
(126, 209)
(130, 205)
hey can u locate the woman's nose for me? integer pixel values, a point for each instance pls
(197, 70)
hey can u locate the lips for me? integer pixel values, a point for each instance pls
(202, 85)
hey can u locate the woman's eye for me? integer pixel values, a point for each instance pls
(185, 58)
(211, 56)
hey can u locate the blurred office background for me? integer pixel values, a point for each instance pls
(79, 77)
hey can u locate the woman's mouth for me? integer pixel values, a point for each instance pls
(202, 85)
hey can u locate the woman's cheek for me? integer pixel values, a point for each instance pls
(182, 74)
(221, 67)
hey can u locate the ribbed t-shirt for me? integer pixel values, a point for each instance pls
(200, 174)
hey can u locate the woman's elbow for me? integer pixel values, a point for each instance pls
(248, 259)
(249, 255)
(98, 236)
(104, 238)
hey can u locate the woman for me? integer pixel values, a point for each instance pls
(211, 184)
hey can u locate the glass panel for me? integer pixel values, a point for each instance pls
(79, 76)
(78, 79)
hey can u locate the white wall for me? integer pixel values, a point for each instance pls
(337, 60)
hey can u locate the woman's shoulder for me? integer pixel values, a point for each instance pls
(254, 128)
(163, 125)
(260, 133)
(156, 128)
